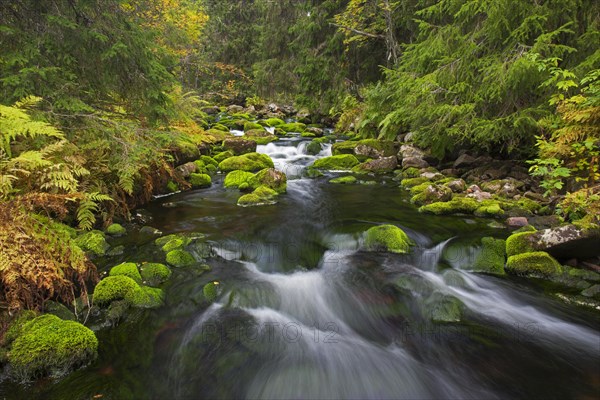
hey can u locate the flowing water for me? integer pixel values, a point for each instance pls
(304, 313)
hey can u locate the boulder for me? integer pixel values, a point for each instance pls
(239, 146)
(235, 109)
(432, 194)
(407, 151)
(261, 196)
(457, 185)
(211, 110)
(186, 169)
(464, 161)
(315, 131)
(415, 162)
(381, 165)
(372, 148)
(387, 238)
(340, 162)
(517, 221)
(251, 162)
(537, 264)
(490, 258)
(568, 240)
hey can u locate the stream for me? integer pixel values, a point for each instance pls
(303, 312)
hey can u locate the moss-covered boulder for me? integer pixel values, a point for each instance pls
(346, 147)
(489, 210)
(180, 258)
(172, 187)
(521, 242)
(92, 242)
(207, 160)
(200, 180)
(261, 196)
(116, 230)
(491, 257)
(176, 242)
(387, 238)
(238, 180)
(240, 146)
(273, 122)
(380, 165)
(248, 126)
(373, 148)
(314, 148)
(270, 178)
(127, 269)
(344, 180)
(432, 194)
(458, 205)
(50, 346)
(154, 273)
(223, 156)
(296, 127)
(534, 264)
(147, 297)
(251, 162)
(111, 288)
(416, 181)
(336, 163)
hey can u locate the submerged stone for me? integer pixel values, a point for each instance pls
(491, 256)
(344, 180)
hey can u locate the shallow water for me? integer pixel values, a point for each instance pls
(304, 313)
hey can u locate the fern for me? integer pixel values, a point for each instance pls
(88, 207)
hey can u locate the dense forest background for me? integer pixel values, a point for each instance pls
(100, 99)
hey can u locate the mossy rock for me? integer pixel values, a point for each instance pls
(432, 194)
(92, 242)
(274, 122)
(308, 135)
(458, 205)
(207, 160)
(263, 195)
(200, 180)
(248, 126)
(161, 241)
(584, 274)
(116, 230)
(127, 269)
(314, 148)
(251, 162)
(297, 127)
(241, 115)
(411, 172)
(492, 210)
(270, 178)
(15, 328)
(59, 310)
(344, 180)
(220, 127)
(518, 243)
(442, 308)
(529, 205)
(346, 147)
(411, 182)
(387, 238)
(491, 257)
(175, 243)
(262, 140)
(217, 134)
(223, 156)
(154, 273)
(534, 264)
(172, 187)
(180, 258)
(50, 346)
(337, 163)
(211, 291)
(111, 288)
(147, 297)
(235, 179)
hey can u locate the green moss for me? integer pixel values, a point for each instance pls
(419, 188)
(308, 135)
(442, 308)
(492, 210)
(386, 146)
(154, 274)
(200, 180)
(177, 242)
(431, 194)
(180, 258)
(262, 140)
(51, 346)
(236, 178)
(270, 178)
(518, 243)
(341, 162)
(111, 288)
(250, 162)
(313, 148)
(273, 122)
(147, 297)
(529, 205)
(346, 147)
(241, 115)
(458, 205)
(126, 269)
(161, 241)
(172, 187)
(92, 242)
(411, 172)
(248, 126)
(297, 127)
(207, 160)
(411, 182)
(533, 264)
(116, 230)
(15, 328)
(223, 156)
(491, 257)
(344, 180)
(388, 238)
(220, 127)
(210, 291)
(263, 195)
(584, 274)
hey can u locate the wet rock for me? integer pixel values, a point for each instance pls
(457, 185)
(371, 148)
(414, 162)
(517, 221)
(450, 172)
(340, 162)
(476, 193)
(458, 205)
(239, 146)
(250, 162)
(381, 165)
(261, 196)
(491, 256)
(314, 148)
(432, 194)
(537, 264)
(344, 180)
(567, 240)
(186, 169)
(432, 176)
(387, 238)
(443, 308)
(116, 230)
(200, 180)
(593, 291)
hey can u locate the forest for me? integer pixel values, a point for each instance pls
(134, 133)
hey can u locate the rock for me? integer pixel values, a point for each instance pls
(381, 165)
(432, 176)
(567, 240)
(315, 131)
(491, 258)
(408, 151)
(172, 187)
(223, 156)
(263, 195)
(220, 127)
(250, 126)
(464, 161)
(154, 274)
(450, 172)
(593, 291)
(116, 230)
(409, 137)
(458, 205)
(314, 148)
(176, 242)
(200, 180)
(274, 122)
(239, 146)
(93, 243)
(149, 231)
(535, 197)
(441, 308)
(415, 162)
(250, 162)
(544, 221)
(211, 110)
(476, 193)
(238, 180)
(50, 346)
(126, 269)
(489, 209)
(338, 163)
(520, 242)
(211, 291)
(180, 258)
(537, 264)
(517, 221)
(346, 147)
(432, 194)
(372, 148)
(235, 109)
(457, 185)
(344, 180)
(387, 238)
(271, 178)
(296, 127)
(186, 169)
